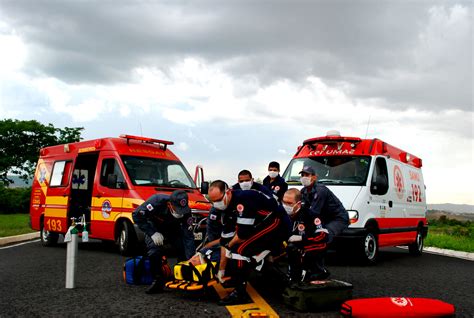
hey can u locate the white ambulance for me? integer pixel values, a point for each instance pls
(380, 186)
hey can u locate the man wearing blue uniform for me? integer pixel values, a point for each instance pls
(221, 227)
(165, 218)
(246, 182)
(256, 230)
(322, 217)
(274, 182)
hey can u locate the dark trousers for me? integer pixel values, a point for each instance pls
(307, 255)
(263, 239)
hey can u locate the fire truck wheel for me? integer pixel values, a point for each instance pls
(126, 238)
(370, 248)
(416, 248)
(48, 238)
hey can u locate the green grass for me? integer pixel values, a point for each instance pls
(458, 238)
(14, 224)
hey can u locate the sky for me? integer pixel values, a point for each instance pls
(237, 84)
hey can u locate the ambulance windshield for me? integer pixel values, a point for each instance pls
(144, 171)
(344, 170)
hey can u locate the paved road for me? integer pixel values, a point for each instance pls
(32, 284)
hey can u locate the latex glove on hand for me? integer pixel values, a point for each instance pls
(158, 238)
(220, 275)
(295, 238)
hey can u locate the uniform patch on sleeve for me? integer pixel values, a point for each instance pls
(301, 227)
(277, 188)
(317, 221)
(240, 208)
(190, 221)
(149, 207)
(213, 217)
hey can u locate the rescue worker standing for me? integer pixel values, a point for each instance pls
(321, 218)
(256, 230)
(274, 182)
(161, 218)
(245, 182)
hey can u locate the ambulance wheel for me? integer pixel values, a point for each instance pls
(416, 248)
(126, 238)
(48, 238)
(370, 248)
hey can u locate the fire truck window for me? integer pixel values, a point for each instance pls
(111, 167)
(61, 170)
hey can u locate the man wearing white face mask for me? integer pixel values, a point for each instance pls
(274, 182)
(246, 182)
(162, 217)
(256, 227)
(325, 211)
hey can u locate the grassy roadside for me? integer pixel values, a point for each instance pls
(14, 224)
(452, 237)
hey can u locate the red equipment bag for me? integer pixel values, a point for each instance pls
(397, 307)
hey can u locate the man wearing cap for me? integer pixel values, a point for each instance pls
(328, 215)
(274, 182)
(161, 218)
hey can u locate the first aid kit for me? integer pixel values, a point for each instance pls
(317, 295)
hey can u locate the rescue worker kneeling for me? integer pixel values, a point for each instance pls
(165, 217)
(256, 231)
(308, 242)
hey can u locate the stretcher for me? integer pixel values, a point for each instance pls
(188, 276)
(397, 307)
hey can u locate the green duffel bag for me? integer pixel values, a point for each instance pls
(317, 295)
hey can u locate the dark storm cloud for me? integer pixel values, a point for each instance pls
(364, 44)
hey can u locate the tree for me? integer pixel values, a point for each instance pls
(21, 141)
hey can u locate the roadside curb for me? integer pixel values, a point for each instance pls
(457, 254)
(18, 238)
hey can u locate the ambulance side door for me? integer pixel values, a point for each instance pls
(379, 200)
(107, 197)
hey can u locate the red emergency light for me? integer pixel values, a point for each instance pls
(147, 140)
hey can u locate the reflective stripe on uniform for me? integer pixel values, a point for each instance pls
(227, 235)
(245, 221)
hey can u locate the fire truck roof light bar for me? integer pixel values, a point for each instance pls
(148, 140)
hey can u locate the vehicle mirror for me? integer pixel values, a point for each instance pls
(112, 181)
(204, 187)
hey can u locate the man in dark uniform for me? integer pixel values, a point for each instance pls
(216, 231)
(322, 217)
(245, 182)
(256, 230)
(165, 218)
(274, 182)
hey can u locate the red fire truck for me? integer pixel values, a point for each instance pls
(380, 186)
(105, 180)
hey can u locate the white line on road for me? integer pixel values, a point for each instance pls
(15, 245)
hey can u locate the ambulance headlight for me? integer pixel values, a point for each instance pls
(353, 216)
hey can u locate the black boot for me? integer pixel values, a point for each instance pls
(157, 286)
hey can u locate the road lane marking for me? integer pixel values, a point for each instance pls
(15, 245)
(259, 307)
